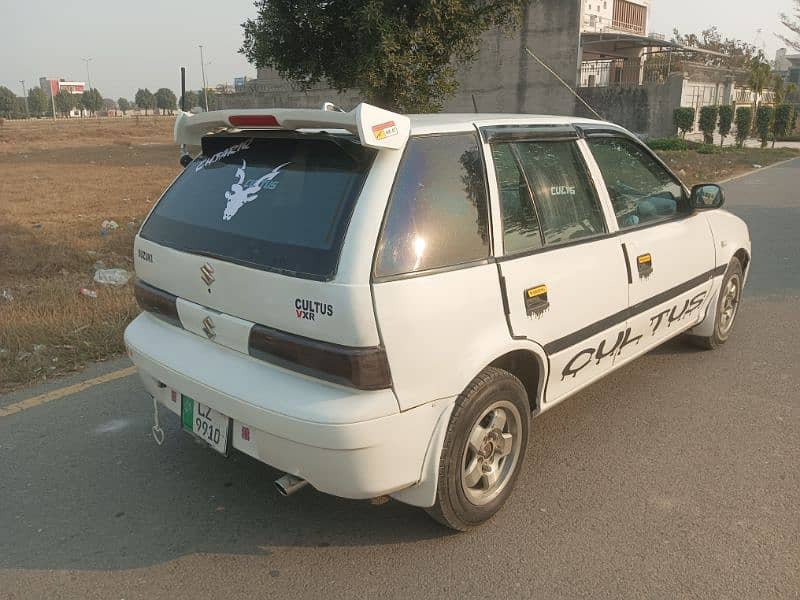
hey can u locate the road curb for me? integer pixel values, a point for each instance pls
(754, 171)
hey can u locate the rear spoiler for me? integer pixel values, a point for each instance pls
(375, 127)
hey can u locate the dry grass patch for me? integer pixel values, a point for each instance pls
(694, 167)
(58, 183)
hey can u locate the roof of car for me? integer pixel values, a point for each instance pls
(442, 122)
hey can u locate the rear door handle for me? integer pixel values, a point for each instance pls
(645, 264)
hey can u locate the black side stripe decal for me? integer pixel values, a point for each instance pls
(627, 263)
(622, 316)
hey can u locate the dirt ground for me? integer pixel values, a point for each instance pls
(60, 181)
(694, 167)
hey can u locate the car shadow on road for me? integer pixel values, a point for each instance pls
(679, 345)
(107, 497)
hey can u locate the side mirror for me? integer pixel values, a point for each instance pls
(707, 196)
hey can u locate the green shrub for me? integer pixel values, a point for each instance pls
(708, 122)
(744, 124)
(683, 118)
(765, 115)
(670, 143)
(782, 122)
(725, 121)
(709, 149)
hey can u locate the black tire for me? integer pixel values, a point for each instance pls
(723, 328)
(495, 391)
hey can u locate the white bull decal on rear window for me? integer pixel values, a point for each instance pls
(240, 195)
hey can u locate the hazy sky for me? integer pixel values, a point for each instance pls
(143, 43)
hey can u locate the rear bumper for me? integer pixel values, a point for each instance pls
(344, 442)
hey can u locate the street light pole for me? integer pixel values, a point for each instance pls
(25, 95)
(203, 71)
(52, 98)
(88, 76)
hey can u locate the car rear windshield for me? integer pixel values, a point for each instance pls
(278, 203)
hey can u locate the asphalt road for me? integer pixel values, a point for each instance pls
(675, 477)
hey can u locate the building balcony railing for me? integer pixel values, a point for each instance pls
(627, 27)
(624, 71)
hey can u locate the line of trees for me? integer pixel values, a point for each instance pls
(38, 103)
(771, 122)
(163, 99)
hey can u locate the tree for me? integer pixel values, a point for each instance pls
(65, 102)
(8, 102)
(725, 121)
(123, 105)
(778, 88)
(212, 100)
(144, 99)
(760, 75)
(165, 100)
(782, 122)
(92, 100)
(744, 124)
(20, 109)
(708, 122)
(38, 102)
(736, 53)
(400, 55)
(683, 118)
(765, 115)
(792, 23)
(191, 100)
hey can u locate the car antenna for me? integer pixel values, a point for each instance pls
(564, 83)
(475, 104)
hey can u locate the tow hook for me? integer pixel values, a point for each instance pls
(158, 433)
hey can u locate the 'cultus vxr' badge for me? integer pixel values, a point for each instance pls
(207, 274)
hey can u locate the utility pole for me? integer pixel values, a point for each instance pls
(203, 71)
(88, 76)
(52, 98)
(25, 95)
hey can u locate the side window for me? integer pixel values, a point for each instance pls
(520, 223)
(641, 190)
(565, 198)
(438, 213)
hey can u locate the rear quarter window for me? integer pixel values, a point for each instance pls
(438, 213)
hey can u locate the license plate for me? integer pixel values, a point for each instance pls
(206, 423)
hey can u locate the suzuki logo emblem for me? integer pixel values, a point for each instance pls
(207, 274)
(208, 327)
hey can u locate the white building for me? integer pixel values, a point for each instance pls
(52, 86)
(619, 16)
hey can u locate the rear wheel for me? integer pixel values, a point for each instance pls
(483, 450)
(730, 297)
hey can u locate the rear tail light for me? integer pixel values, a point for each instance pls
(253, 121)
(157, 302)
(362, 368)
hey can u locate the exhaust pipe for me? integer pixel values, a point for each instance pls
(289, 484)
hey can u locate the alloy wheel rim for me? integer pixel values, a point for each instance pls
(730, 305)
(491, 453)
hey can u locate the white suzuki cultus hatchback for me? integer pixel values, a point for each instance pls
(377, 304)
